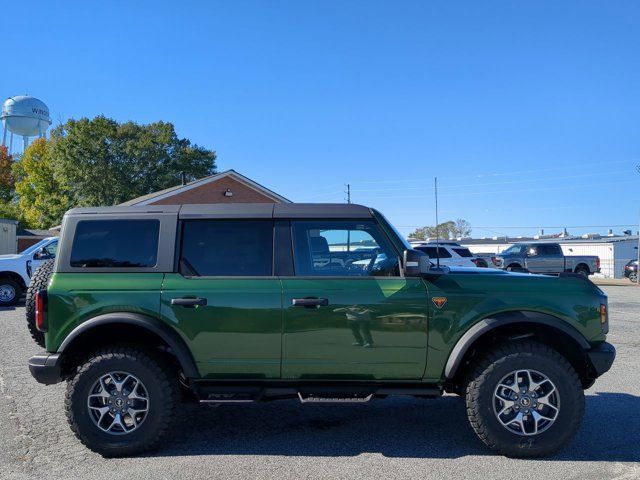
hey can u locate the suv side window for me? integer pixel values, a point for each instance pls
(431, 251)
(227, 248)
(342, 248)
(115, 244)
(463, 252)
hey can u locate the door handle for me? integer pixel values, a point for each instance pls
(309, 302)
(189, 302)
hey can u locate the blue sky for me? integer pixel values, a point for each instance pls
(526, 111)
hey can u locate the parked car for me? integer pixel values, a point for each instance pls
(545, 258)
(452, 254)
(489, 258)
(237, 303)
(631, 270)
(16, 269)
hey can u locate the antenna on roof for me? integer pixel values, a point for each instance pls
(437, 228)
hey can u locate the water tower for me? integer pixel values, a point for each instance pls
(25, 116)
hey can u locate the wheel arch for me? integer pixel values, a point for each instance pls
(15, 276)
(505, 326)
(98, 331)
(582, 266)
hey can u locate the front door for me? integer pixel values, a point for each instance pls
(225, 299)
(348, 314)
(536, 259)
(41, 255)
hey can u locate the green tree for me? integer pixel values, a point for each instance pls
(103, 162)
(446, 230)
(42, 200)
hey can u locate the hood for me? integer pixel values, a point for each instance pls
(496, 280)
(11, 256)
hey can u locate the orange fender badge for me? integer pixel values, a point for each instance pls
(439, 301)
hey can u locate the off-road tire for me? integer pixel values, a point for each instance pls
(160, 380)
(39, 281)
(500, 362)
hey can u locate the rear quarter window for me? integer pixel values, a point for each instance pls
(115, 244)
(463, 252)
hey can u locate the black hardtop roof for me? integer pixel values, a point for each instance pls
(238, 210)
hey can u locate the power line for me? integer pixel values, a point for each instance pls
(538, 226)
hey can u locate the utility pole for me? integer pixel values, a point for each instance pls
(638, 247)
(348, 192)
(435, 184)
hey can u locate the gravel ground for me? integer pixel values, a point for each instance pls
(393, 438)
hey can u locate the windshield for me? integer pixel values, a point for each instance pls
(35, 246)
(404, 241)
(514, 250)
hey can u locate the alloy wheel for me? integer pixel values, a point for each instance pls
(118, 403)
(7, 293)
(526, 402)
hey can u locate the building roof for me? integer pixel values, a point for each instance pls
(240, 210)
(171, 191)
(32, 232)
(572, 239)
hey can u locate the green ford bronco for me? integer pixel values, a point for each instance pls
(145, 307)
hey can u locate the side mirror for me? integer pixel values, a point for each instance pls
(416, 263)
(531, 252)
(41, 254)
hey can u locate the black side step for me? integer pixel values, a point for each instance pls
(216, 393)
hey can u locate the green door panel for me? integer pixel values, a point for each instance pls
(76, 297)
(238, 333)
(328, 342)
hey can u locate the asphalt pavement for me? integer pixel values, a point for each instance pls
(395, 438)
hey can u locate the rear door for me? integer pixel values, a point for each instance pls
(554, 259)
(226, 299)
(347, 312)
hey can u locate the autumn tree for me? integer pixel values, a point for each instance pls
(6, 178)
(42, 198)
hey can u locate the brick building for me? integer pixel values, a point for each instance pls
(225, 187)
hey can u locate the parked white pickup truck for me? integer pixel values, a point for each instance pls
(16, 269)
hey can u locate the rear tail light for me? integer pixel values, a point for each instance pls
(41, 313)
(597, 263)
(494, 260)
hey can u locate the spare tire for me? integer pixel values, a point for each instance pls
(39, 281)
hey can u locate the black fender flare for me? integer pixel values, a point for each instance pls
(483, 326)
(161, 329)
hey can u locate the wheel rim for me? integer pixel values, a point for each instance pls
(526, 402)
(118, 403)
(7, 293)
